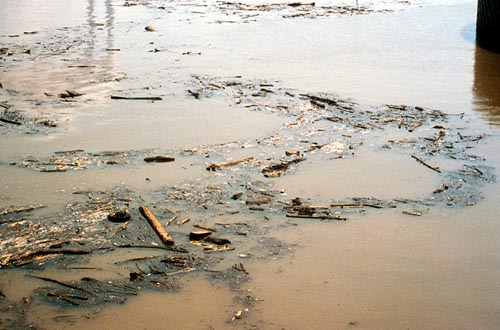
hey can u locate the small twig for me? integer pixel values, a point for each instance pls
(171, 220)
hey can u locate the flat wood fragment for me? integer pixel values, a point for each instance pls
(155, 224)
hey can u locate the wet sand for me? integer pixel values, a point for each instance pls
(380, 269)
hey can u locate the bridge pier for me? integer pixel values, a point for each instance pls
(488, 24)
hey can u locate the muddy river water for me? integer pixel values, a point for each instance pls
(347, 151)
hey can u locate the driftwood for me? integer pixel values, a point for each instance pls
(159, 159)
(283, 166)
(69, 94)
(155, 224)
(414, 213)
(316, 216)
(320, 99)
(68, 285)
(218, 248)
(143, 98)
(199, 235)
(218, 241)
(258, 201)
(421, 161)
(414, 127)
(13, 209)
(26, 257)
(196, 95)
(215, 167)
(10, 121)
(168, 248)
(171, 220)
(183, 221)
(206, 228)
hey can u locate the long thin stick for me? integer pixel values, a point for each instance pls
(147, 98)
(315, 216)
(68, 285)
(434, 168)
(155, 224)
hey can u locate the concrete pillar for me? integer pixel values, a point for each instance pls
(488, 24)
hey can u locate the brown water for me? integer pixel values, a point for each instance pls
(378, 271)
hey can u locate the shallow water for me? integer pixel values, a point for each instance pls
(375, 271)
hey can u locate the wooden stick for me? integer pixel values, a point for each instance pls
(315, 216)
(206, 228)
(215, 167)
(147, 98)
(155, 224)
(434, 168)
(68, 285)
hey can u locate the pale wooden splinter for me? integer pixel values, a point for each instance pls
(155, 224)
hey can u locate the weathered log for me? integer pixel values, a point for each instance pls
(155, 224)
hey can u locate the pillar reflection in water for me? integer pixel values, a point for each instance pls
(486, 87)
(99, 42)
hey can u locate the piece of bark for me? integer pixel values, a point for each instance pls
(155, 224)
(199, 235)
